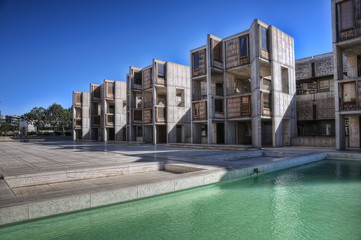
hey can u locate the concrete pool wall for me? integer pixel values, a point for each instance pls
(32, 208)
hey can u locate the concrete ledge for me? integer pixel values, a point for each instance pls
(80, 174)
(344, 156)
(211, 146)
(63, 204)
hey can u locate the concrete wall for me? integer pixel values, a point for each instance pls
(325, 107)
(323, 66)
(86, 116)
(178, 77)
(284, 104)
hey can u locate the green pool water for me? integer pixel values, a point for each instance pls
(315, 201)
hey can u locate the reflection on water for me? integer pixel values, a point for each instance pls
(315, 201)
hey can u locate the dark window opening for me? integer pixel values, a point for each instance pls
(219, 105)
(217, 51)
(267, 100)
(196, 61)
(219, 89)
(313, 69)
(111, 109)
(161, 70)
(358, 65)
(204, 131)
(314, 111)
(244, 46)
(138, 78)
(264, 39)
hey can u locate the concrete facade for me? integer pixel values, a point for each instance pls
(243, 88)
(315, 101)
(158, 109)
(346, 37)
(101, 113)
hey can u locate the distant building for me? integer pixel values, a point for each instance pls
(315, 101)
(25, 128)
(12, 119)
(101, 114)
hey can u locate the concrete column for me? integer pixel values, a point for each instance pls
(255, 86)
(118, 108)
(210, 109)
(154, 103)
(86, 116)
(354, 131)
(339, 119)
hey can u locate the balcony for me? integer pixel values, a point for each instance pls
(199, 97)
(199, 110)
(160, 115)
(148, 104)
(350, 73)
(239, 107)
(77, 123)
(109, 120)
(137, 116)
(148, 116)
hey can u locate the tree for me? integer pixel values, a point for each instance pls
(6, 128)
(36, 117)
(55, 115)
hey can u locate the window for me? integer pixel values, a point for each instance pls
(161, 70)
(264, 39)
(313, 69)
(96, 92)
(196, 61)
(138, 78)
(285, 81)
(346, 15)
(139, 131)
(219, 89)
(218, 105)
(180, 97)
(266, 100)
(243, 46)
(204, 131)
(111, 109)
(349, 93)
(78, 122)
(314, 111)
(358, 65)
(217, 51)
(324, 85)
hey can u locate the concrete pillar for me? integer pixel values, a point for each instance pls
(354, 131)
(339, 119)
(210, 109)
(86, 116)
(118, 108)
(255, 86)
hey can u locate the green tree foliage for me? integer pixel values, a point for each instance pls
(7, 127)
(60, 119)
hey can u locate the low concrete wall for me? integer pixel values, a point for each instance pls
(314, 141)
(5, 139)
(41, 208)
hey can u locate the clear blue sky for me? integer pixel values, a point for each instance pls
(48, 48)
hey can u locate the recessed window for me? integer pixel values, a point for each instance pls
(196, 61)
(204, 131)
(218, 105)
(161, 70)
(285, 80)
(264, 39)
(244, 46)
(138, 78)
(346, 18)
(217, 51)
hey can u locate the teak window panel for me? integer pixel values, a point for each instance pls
(346, 15)
(217, 50)
(195, 61)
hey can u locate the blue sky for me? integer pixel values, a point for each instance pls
(48, 48)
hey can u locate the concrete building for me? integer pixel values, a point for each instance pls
(158, 109)
(315, 101)
(243, 88)
(100, 115)
(346, 36)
